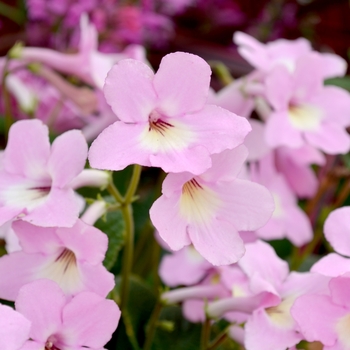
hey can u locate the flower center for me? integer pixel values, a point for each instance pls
(50, 346)
(280, 314)
(157, 124)
(304, 117)
(198, 203)
(64, 271)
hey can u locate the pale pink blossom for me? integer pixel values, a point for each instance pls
(35, 177)
(326, 318)
(282, 52)
(86, 321)
(305, 111)
(208, 210)
(164, 119)
(337, 233)
(72, 257)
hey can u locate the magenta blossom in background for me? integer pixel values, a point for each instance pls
(164, 121)
(86, 321)
(208, 210)
(72, 257)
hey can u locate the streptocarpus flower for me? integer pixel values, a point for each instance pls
(72, 257)
(35, 178)
(305, 111)
(85, 322)
(282, 52)
(208, 210)
(326, 318)
(14, 329)
(164, 121)
(337, 233)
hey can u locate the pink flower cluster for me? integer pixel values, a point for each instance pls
(54, 270)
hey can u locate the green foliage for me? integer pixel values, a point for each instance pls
(185, 336)
(343, 82)
(112, 224)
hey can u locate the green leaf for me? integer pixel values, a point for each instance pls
(112, 224)
(343, 82)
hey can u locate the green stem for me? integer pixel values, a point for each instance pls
(114, 192)
(152, 326)
(127, 255)
(130, 330)
(205, 336)
(129, 234)
(134, 182)
(218, 340)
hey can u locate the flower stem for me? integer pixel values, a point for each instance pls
(115, 192)
(152, 326)
(127, 213)
(205, 336)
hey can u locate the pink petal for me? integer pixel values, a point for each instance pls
(41, 302)
(280, 132)
(340, 288)
(193, 310)
(226, 165)
(255, 141)
(231, 98)
(31, 238)
(260, 258)
(330, 138)
(14, 328)
(333, 65)
(279, 87)
(316, 316)
(182, 83)
(332, 265)
(218, 242)
(337, 230)
(129, 91)
(185, 267)
(7, 214)
(68, 157)
(96, 278)
(173, 183)
(261, 333)
(247, 205)
(89, 320)
(118, 146)
(60, 209)
(218, 129)
(18, 269)
(298, 226)
(28, 149)
(166, 218)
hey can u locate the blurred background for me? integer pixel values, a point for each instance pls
(203, 27)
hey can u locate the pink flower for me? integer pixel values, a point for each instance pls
(326, 318)
(305, 111)
(208, 210)
(164, 121)
(337, 233)
(86, 321)
(14, 329)
(282, 52)
(72, 257)
(34, 177)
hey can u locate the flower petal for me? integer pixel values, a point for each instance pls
(182, 83)
(28, 149)
(67, 158)
(89, 320)
(41, 302)
(129, 90)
